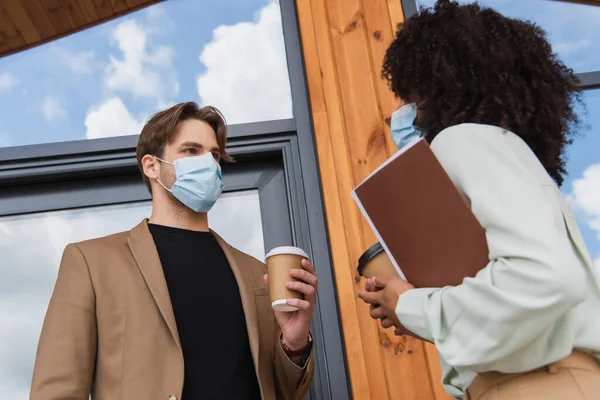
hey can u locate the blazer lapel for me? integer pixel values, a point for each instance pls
(146, 256)
(247, 295)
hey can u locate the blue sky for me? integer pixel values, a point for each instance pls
(105, 81)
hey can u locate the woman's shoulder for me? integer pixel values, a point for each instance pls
(467, 139)
(467, 148)
(469, 133)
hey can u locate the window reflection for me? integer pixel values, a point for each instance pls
(572, 28)
(106, 80)
(31, 248)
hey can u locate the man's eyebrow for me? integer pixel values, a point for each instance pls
(198, 146)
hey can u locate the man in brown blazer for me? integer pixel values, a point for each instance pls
(169, 310)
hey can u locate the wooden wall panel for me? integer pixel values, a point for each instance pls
(344, 42)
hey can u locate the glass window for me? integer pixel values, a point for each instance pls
(31, 248)
(582, 185)
(572, 28)
(106, 80)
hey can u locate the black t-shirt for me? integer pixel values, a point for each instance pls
(209, 315)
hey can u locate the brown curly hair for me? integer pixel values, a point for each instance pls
(470, 64)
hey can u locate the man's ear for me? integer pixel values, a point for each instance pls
(151, 167)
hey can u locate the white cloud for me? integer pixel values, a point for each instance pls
(155, 12)
(111, 118)
(586, 194)
(246, 73)
(586, 197)
(53, 109)
(145, 73)
(7, 81)
(83, 62)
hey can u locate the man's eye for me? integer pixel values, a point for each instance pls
(191, 150)
(217, 156)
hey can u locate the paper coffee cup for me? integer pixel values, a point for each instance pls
(280, 261)
(375, 262)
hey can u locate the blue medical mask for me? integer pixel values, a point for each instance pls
(199, 181)
(402, 125)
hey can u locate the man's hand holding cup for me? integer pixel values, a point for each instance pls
(292, 284)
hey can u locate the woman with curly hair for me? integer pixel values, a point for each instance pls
(497, 107)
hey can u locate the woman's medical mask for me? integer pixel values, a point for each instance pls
(402, 125)
(199, 181)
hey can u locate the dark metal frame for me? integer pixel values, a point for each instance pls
(73, 174)
(589, 80)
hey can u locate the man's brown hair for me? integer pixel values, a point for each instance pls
(161, 129)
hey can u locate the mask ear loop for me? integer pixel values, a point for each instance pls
(160, 183)
(166, 162)
(158, 180)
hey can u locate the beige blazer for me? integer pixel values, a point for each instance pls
(110, 329)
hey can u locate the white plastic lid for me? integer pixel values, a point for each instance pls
(282, 305)
(287, 250)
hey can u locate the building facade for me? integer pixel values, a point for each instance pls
(299, 82)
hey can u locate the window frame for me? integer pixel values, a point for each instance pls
(292, 140)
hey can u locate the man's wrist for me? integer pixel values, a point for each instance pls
(296, 349)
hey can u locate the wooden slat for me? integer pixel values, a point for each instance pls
(380, 34)
(312, 66)
(38, 16)
(88, 11)
(132, 3)
(72, 11)
(56, 15)
(119, 5)
(361, 112)
(104, 8)
(9, 35)
(18, 15)
(396, 14)
(407, 367)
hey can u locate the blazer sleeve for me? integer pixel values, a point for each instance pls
(66, 354)
(291, 380)
(513, 315)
